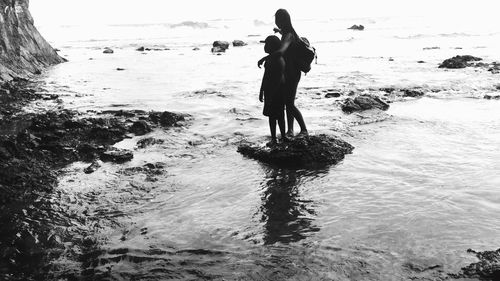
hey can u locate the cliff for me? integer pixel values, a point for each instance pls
(23, 51)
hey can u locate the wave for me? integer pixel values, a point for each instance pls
(192, 24)
(420, 36)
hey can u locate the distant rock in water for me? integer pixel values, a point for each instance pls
(357, 27)
(490, 97)
(309, 151)
(23, 51)
(239, 43)
(108, 51)
(363, 102)
(140, 49)
(459, 62)
(220, 46)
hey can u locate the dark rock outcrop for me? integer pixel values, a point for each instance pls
(308, 151)
(357, 27)
(363, 102)
(140, 128)
(23, 51)
(108, 51)
(487, 268)
(239, 43)
(220, 46)
(459, 62)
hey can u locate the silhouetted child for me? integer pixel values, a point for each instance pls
(271, 90)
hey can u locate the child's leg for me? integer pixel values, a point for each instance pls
(281, 124)
(272, 127)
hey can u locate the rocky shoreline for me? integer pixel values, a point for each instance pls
(39, 145)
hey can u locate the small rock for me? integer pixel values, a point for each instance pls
(357, 27)
(220, 46)
(459, 62)
(108, 51)
(412, 93)
(148, 142)
(120, 69)
(420, 61)
(92, 168)
(140, 128)
(140, 49)
(332, 95)
(196, 49)
(166, 119)
(117, 156)
(489, 97)
(431, 48)
(363, 102)
(239, 43)
(391, 59)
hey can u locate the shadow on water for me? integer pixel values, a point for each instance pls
(287, 216)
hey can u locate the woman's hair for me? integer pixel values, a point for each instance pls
(283, 20)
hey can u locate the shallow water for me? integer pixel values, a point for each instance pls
(419, 189)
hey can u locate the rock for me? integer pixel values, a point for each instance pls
(357, 27)
(363, 102)
(309, 151)
(220, 46)
(108, 51)
(117, 156)
(431, 48)
(488, 267)
(459, 62)
(239, 43)
(148, 142)
(412, 93)
(196, 49)
(332, 95)
(140, 49)
(140, 128)
(92, 168)
(166, 119)
(391, 59)
(489, 97)
(120, 69)
(420, 61)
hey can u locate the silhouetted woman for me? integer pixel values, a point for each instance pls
(288, 50)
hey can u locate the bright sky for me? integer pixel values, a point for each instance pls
(63, 12)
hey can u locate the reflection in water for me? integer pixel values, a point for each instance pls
(286, 216)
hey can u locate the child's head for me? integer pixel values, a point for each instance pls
(273, 43)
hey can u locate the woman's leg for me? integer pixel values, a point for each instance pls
(292, 112)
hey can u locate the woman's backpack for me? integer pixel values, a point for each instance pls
(305, 54)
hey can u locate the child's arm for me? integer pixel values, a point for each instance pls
(264, 85)
(285, 43)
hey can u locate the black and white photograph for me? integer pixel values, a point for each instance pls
(249, 140)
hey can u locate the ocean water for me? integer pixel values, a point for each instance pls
(420, 188)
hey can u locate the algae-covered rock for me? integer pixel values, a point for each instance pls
(301, 151)
(459, 62)
(488, 267)
(364, 102)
